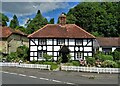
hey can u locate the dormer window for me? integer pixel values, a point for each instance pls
(78, 42)
(60, 41)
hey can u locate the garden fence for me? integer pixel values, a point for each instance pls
(39, 66)
(90, 69)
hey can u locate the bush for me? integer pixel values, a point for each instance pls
(48, 57)
(90, 60)
(109, 63)
(76, 63)
(103, 57)
(53, 64)
(11, 57)
(116, 55)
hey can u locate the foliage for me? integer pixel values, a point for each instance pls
(109, 63)
(36, 23)
(59, 60)
(101, 19)
(23, 52)
(103, 57)
(4, 20)
(76, 63)
(21, 28)
(14, 22)
(116, 55)
(90, 60)
(12, 56)
(48, 57)
(51, 21)
(53, 64)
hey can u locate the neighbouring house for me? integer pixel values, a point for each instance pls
(61, 39)
(108, 44)
(11, 39)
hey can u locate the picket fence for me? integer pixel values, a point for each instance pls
(23, 65)
(90, 69)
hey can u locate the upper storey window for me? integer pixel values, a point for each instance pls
(78, 42)
(60, 41)
(42, 41)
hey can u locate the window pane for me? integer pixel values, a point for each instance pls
(78, 42)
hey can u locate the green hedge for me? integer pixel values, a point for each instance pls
(110, 64)
(90, 60)
(103, 57)
(53, 65)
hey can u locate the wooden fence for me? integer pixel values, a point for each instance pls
(39, 66)
(90, 69)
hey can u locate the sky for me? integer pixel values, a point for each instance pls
(26, 10)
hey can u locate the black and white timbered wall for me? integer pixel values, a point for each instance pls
(79, 48)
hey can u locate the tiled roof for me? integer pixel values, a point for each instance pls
(61, 31)
(108, 41)
(6, 32)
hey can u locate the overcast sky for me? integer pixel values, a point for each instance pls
(25, 10)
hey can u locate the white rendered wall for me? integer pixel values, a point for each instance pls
(87, 48)
(84, 42)
(33, 48)
(56, 48)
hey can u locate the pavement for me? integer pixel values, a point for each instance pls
(14, 75)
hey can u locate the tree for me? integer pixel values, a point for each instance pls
(51, 21)
(36, 23)
(21, 28)
(99, 17)
(14, 22)
(4, 20)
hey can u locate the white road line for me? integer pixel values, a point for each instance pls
(5, 72)
(44, 78)
(56, 81)
(13, 73)
(69, 83)
(33, 76)
(22, 75)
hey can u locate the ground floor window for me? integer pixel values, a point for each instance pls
(41, 54)
(79, 55)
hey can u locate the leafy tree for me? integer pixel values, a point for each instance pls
(36, 23)
(14, 22)
(21, 28)
(4, 20)
(51, 21)
(23, 52)
(99, 17)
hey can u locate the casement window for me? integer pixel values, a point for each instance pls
(79, 55)
(42, 41)
(60, 41)
(41, 54)
(78, 42)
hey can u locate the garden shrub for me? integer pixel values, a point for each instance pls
(11, 57)
(48, 57)
(103, 57)
(109, 63)
(90, 60)
(76, 63)
(116, 55)
(53, 65)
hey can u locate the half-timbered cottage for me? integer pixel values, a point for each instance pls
(60, 39)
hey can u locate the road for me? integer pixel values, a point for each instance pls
(36, 76)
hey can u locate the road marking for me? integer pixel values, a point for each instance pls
(5, 72)
(56, 81)
(32, 76)
(69, 83)
(22, 75)
(13, 73)
(44, 78)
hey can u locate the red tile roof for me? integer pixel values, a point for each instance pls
(61, 31)
(108, 41)
(6, 32)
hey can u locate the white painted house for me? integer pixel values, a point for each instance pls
(52, 39)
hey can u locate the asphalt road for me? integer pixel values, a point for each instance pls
(36, 76)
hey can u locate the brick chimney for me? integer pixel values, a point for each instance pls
(62, 19)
